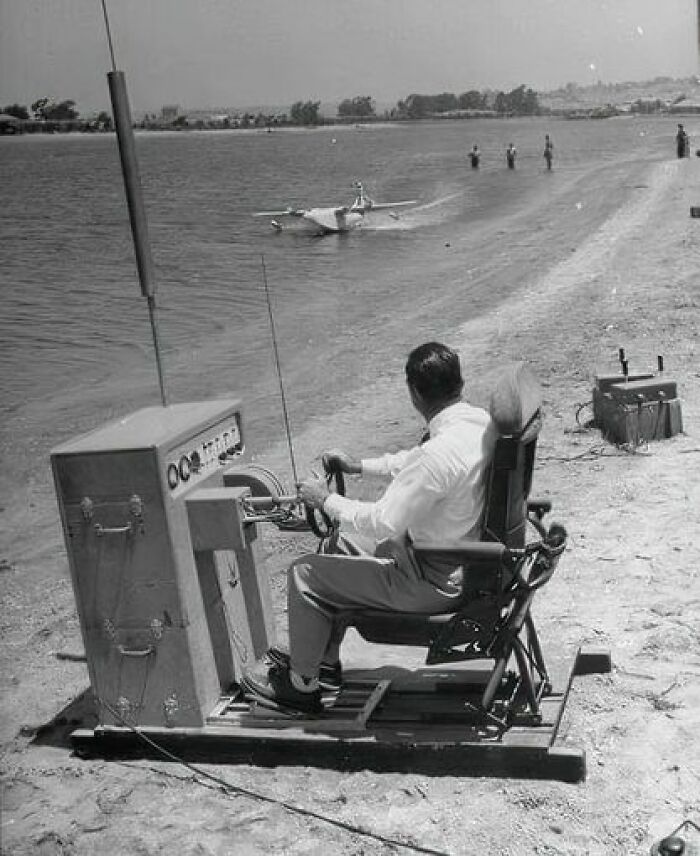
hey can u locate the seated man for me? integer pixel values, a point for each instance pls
(434, 502)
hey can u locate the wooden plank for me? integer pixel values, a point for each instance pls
(425, 679)
(592, 661)
(336, 718)
(540, 735)
(359, 752)
(429, 732)
(375, 698)
(346, 726)
(220, 708)
(416, 705)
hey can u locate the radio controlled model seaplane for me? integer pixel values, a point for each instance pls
(336, 218)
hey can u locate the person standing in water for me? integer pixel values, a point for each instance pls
(548, 151)
(474, 156)
(682, 142)
(510, 156)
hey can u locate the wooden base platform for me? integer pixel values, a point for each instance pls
(422, 720)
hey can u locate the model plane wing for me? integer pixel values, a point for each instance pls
(287, 212)
(379, 206)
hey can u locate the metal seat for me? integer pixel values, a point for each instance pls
(502, 572)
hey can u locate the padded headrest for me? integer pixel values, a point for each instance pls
(515, 403)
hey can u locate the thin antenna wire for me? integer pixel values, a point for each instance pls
(109, 34)
(279, 373)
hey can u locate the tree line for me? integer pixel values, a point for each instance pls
(55, 114)
(521, 101)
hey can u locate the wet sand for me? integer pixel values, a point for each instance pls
(609, 261)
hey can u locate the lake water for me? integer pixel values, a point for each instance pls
(72, 315)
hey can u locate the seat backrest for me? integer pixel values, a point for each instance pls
(516, 411)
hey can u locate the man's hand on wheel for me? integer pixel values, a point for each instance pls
(313, 491)
(335, 460)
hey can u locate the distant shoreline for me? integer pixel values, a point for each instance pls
(342, 127)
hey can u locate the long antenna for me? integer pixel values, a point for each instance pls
(134, 198)
(109, 34)
(279, 373)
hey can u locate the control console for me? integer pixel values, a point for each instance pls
(169, 620)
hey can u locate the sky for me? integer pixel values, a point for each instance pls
(241, 53)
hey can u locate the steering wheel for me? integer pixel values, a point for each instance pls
(319, 522)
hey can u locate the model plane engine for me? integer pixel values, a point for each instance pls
(172, 606)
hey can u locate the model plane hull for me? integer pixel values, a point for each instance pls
(329, 220)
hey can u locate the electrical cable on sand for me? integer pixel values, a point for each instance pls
(229, 789)
(598, 450)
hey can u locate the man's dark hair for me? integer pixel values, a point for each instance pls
(433, 370)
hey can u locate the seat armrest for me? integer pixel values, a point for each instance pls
(479, 551)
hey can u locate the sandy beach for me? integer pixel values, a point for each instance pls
(608, 262)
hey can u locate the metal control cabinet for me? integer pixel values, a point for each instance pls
(165, 627)
(637, 408)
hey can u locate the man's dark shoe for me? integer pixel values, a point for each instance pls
(329, 677)
(278, 692)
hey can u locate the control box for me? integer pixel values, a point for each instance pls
(636, 408)
(165, 623)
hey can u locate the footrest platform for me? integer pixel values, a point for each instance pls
(412, 724)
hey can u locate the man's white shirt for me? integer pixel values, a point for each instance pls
(437, 490)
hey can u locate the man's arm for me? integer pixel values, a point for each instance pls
(409, 497)
(389, 464)
(314, 491)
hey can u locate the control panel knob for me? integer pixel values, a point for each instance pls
(184, 468)
(173, 476)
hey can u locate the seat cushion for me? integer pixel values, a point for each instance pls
(475, 618)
